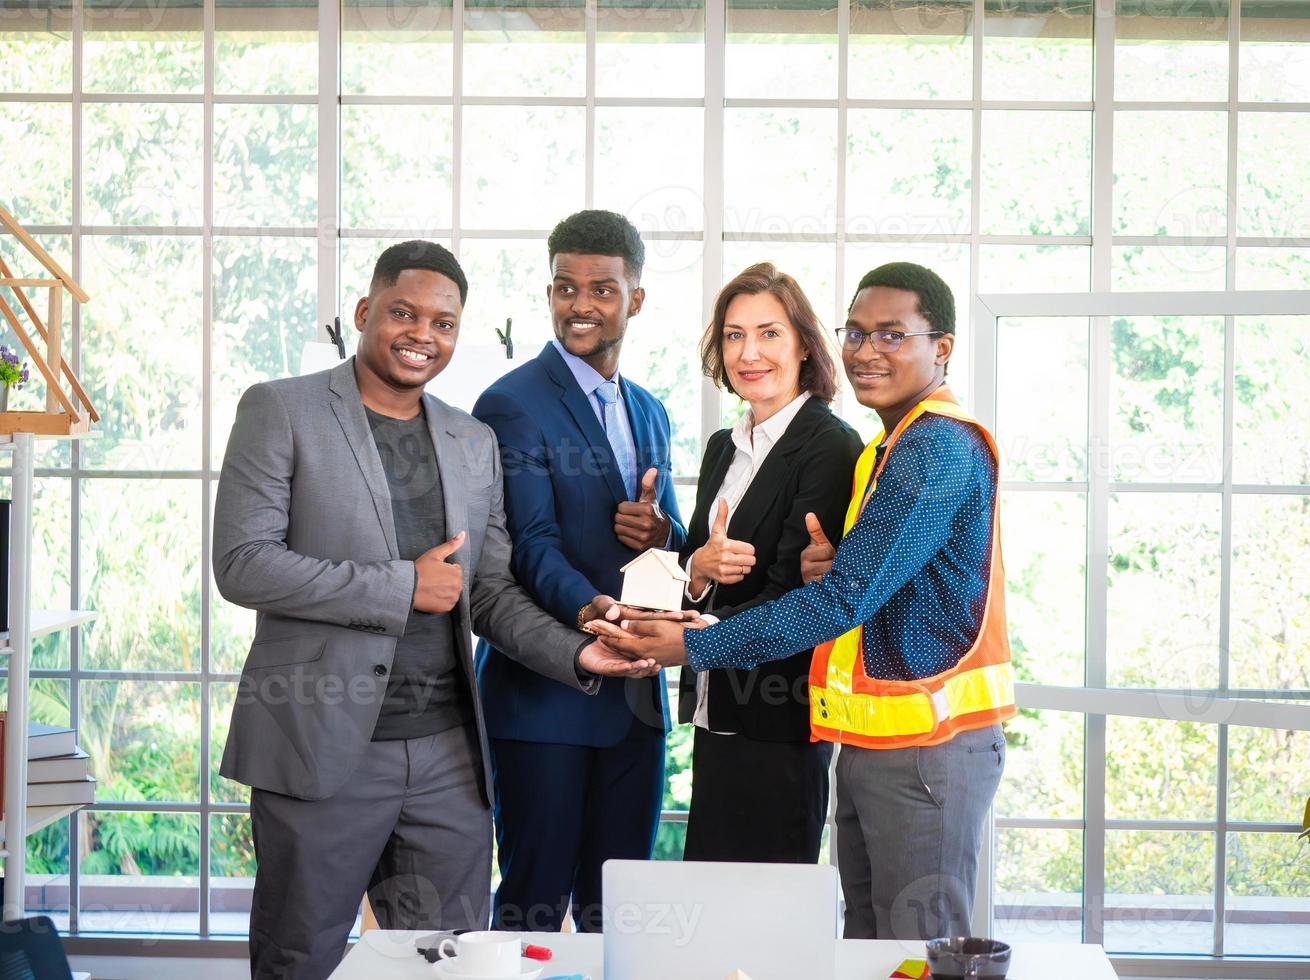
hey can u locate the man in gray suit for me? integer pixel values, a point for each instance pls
(362, 519)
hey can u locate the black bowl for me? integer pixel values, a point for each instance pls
(965, 957)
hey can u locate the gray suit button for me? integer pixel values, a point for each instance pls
(379, 669)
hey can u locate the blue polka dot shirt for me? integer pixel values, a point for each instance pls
(913, 570)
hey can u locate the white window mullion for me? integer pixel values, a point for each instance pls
(206, 442)
(1098, 414)
(1102, 143)
(841, 288)
(982, 388)
(1098, 541)
(1226, 500)
(75, 458)
(712, 254)
(589, 154)
(979, 383)
(329, 162)
(457, 122)
(1097, 605)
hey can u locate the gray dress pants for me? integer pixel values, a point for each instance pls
(909, 826)
(410, 826)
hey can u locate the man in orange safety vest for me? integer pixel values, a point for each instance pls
(911, 672)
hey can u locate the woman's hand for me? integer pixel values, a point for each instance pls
(720, 559)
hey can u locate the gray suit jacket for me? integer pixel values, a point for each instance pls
(303, 534)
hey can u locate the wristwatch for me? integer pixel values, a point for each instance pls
(584, 614)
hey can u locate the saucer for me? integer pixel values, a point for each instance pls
(528, 970)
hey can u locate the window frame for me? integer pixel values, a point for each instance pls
(1096, 701)
(329, 236)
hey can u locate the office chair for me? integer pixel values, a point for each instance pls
(30, 950)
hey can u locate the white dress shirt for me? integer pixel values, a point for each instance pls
(753, 444)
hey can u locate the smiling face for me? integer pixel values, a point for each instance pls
(591, 299)
(407, 332)
(892, 383)
(762, 353)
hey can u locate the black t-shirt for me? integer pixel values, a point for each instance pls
(427, 691)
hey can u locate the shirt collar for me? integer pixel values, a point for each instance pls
(587, 377)
(771, 429)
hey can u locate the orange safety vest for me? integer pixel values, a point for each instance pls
(849, 707)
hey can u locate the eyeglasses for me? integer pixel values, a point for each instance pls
(884, 341)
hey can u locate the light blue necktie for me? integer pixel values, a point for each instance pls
(620, 439)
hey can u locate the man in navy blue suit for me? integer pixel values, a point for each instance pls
(588, 486)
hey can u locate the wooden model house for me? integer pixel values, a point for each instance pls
(654, 580)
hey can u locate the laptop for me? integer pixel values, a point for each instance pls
(701, 920)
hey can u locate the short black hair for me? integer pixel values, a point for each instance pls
(599, 233)
(936, 302)
(418, 255)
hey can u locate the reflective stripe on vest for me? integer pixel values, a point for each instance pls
(848, 706)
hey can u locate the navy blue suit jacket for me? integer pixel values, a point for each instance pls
(562, 487)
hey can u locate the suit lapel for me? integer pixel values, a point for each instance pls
(349, 410)
(769, 481)
(454, 480)
(707, 492)
(579, 406)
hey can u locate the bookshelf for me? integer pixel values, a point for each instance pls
(46, 621)
(40, 817)
(25, 624)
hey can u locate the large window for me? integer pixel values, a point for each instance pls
(221, 176)
(167, 152)
(1156, 621)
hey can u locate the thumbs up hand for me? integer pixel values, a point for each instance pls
(640, 524)
(648, 486)
(719, 528)
(817, 556)
(440, 582)
(720, 559)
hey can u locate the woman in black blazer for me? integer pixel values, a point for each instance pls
(759, 786)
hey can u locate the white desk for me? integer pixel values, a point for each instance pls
(383, 955)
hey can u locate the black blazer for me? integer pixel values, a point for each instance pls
(810, 469)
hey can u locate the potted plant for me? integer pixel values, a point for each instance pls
(13, 374)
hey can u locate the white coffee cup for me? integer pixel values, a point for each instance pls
(485, 954)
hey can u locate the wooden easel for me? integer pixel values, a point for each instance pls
(60, 416)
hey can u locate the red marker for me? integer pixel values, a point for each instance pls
(536, 952)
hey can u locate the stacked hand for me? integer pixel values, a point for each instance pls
(720, 559)
(602, 657)
(641, 524)
(648, 641)
(817, 556)
(656, 641)
(610, 609)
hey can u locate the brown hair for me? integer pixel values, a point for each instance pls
(818, 373)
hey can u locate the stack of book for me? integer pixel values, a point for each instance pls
(58, 772)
